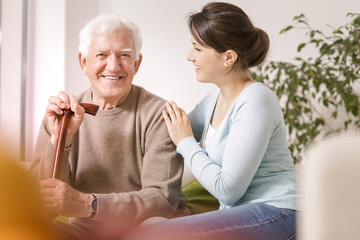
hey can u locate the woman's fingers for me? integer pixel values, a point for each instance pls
(177, 122)
(183, 113)
(176, 109)
(170, 112)
(167, 120)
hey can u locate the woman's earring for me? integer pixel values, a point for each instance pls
(227, 64)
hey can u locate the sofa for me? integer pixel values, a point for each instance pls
(330, 177)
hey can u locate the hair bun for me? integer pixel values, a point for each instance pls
(260, 48)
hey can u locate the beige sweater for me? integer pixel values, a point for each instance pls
(124, 156)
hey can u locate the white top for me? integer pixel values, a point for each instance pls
(210, 133)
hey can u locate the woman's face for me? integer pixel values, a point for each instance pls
(209, 64)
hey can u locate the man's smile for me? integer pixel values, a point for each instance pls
(111, 77)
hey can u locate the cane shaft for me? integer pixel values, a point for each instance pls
(64, 124)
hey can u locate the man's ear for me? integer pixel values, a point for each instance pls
(82, 61)
(230, 57)
(138, 63)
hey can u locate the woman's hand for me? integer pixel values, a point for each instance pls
(54, 110)
(177, 122)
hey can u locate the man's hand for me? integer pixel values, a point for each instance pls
(58, 197)
(177, 122)
(54, 110)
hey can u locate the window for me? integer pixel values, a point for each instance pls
(13, 25)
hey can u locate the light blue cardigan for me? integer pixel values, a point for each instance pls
(247, 160)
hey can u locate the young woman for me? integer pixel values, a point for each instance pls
(235, 140)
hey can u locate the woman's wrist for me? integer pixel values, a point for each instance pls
(185, 145)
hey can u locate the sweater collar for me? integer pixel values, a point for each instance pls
(127, 104)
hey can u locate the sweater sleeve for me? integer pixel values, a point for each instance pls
(249, 128)
(43, 160)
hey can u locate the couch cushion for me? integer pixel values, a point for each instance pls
(199, 200)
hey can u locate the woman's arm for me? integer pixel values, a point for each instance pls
(249, 130)
(177, 120)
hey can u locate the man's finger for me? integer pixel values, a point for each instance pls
(65, 98)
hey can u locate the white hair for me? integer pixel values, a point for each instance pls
(106, 24)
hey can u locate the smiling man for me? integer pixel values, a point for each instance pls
(119, 167)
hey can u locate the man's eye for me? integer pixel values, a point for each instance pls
(125, 56)
(101, 55)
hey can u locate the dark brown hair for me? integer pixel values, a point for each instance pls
(224, 26)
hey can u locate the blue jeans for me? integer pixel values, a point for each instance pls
(255, 221)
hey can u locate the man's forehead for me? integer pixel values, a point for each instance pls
(123, 34)
(119, 40)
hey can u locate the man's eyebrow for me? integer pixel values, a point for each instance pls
(126, 50)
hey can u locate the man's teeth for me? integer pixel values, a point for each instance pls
(112, 78)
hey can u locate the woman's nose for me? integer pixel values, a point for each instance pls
(190, 56)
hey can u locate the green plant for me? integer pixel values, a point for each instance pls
(318, 91)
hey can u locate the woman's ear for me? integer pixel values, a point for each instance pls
(230, 58)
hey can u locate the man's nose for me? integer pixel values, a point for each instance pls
(113, 63)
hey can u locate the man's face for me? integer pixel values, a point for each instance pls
(110, 66)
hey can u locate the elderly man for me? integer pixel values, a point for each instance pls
(119, 166)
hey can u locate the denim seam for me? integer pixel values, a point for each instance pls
(292, 236)
(228, 228)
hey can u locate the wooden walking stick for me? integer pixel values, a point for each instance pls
(64, 123)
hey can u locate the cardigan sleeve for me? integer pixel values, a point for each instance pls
(248, 130)
(196, 118)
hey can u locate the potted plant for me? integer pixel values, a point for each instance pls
(318, 95)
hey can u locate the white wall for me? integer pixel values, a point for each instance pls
(165, 70)
(55, 25)
(75, 80)
(10, 80)
(52, 55)
(46, 60)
